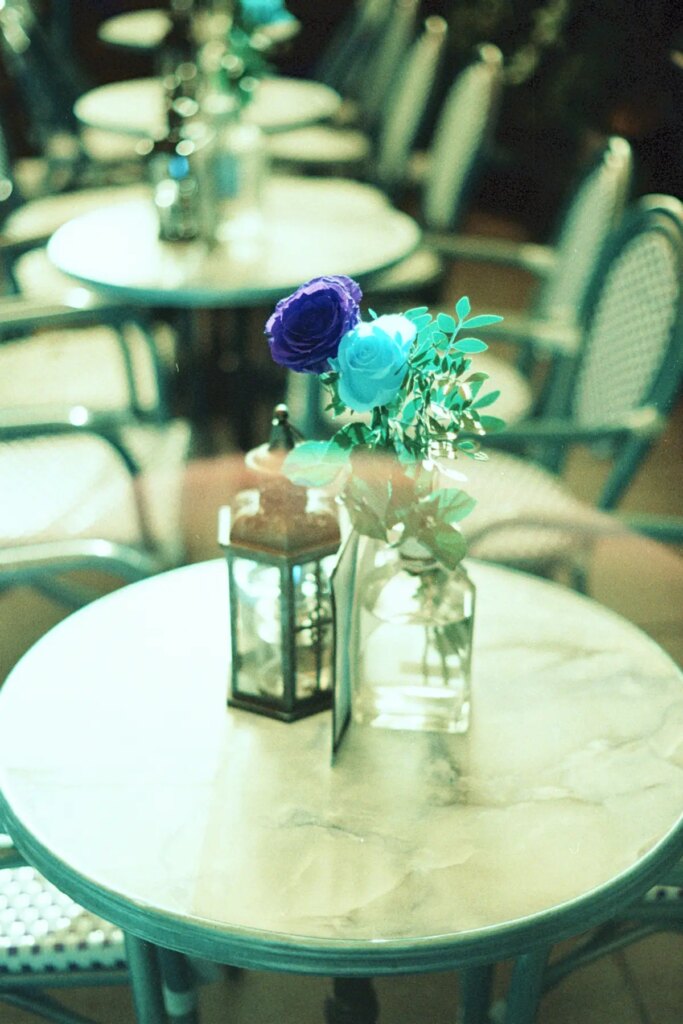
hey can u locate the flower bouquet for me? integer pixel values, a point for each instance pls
(408, 612)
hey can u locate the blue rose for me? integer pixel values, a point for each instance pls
(372, 361)
(306, 328)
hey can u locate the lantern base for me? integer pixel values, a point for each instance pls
(311, 706)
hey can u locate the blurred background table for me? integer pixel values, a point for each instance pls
(311, 227)
(145, 30)
(136, 107)
(230, 836)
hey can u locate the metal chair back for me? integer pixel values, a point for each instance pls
(632, 358)
(384, 66)
(341, 62)
(462, 131)
(593, 212)
(408, 104)
(46, 81)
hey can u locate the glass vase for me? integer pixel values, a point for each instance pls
(410, 648)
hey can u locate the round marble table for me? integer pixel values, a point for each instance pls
(145, 30)
(311, 227)
(136, 106)
(128, 782)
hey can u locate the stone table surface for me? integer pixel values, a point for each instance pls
(133, 787)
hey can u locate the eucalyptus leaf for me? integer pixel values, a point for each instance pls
(422, 321)
(446, 544)
(483, 321)
(487, 399)
(470, 345)
(446, 322)
(492, 424)
(462, 307)
(314, 463)
(451, 504)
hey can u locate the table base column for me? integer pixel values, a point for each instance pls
(354, 1002)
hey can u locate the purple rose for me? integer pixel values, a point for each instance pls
(372, 361)
(305, 330)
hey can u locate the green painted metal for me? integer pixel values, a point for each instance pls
(242, 947)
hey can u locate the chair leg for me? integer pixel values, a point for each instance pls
(179, 988)
(353, 1002)
(475, 994)
(526, 987)
(145, 981)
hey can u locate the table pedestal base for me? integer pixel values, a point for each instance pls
(353, 1002)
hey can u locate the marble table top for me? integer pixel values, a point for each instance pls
(136, 106)
(133, 787)
(145, 30)
(311, 227)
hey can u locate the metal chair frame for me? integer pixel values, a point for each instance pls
(628, 432)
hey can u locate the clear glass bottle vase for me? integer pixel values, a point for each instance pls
(410, 648)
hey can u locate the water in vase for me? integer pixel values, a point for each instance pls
(415, 649)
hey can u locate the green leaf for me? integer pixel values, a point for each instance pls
(446, 322)
(470, 345)
(422, 321)
(452, 504)
(446, 543)
(492, 424)
(372, 314)
(352, 435)
(482, 321)
(467, 446)
(462, 307)
(314, 463)
(488, 399)
(416, 311)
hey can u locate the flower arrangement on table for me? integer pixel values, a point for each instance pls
(412, 373)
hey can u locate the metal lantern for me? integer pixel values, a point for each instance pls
(280, 541)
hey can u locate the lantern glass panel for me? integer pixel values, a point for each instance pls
(258, 631)
(313, 627)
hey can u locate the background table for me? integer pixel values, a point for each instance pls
(145, 30)
(230, 836)
(311, 227)
(136, 106)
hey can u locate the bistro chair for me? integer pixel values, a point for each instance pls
(48, 941)
(55, 359)
(48, 82)
(626, 379)
(563, 269)
(351, 55)
(26, 225)
(322, 148)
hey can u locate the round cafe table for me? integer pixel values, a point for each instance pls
(221, 834)
(136, 106)
(145, 30)
(311, 227)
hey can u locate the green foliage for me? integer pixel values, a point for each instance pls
(437, 403)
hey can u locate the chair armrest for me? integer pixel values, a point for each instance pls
(19, 313)
(545, 337)
(536, 259)
(644, 423)
(667, 529)
(71, 421)
(84, 553)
